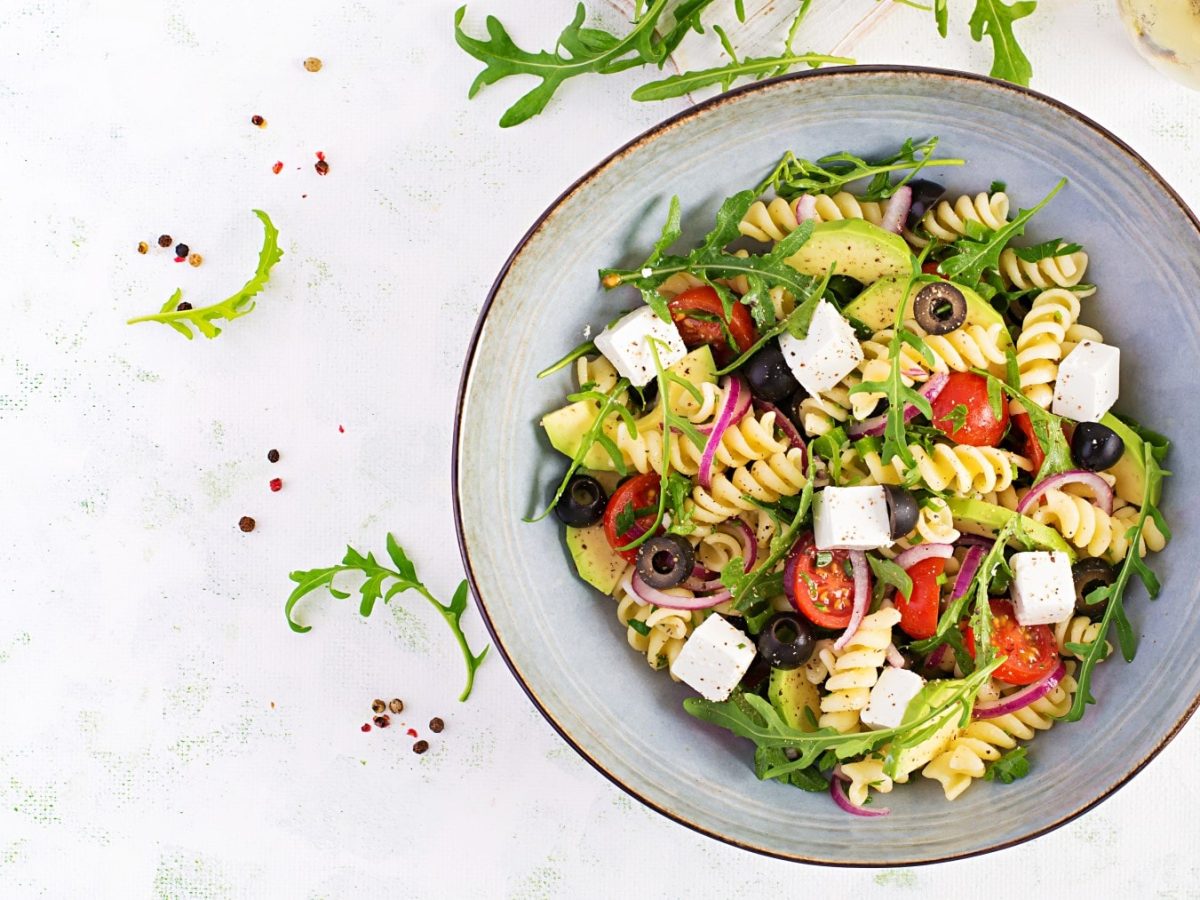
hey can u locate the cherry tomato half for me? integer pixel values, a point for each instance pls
(823, 594)
(1033, 447)
(640, 492)
(700, 318)
(919, 610)
(930, 267)
(963, 413)
(1031, 649)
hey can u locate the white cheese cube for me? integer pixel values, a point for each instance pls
(626, 344)
(851, 518)
(714, 659)
(1088, 381)
(890, 697)
(1043, 590)
(827, 354)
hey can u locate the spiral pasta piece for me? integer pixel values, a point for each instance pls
(854, 670)
(595, 370)
(751, 439)
(935, 522)
(1063, 270)
(765, 480)
(866, 774)
(947, 222)
(823, 412)
(774, 221)
(1047, 327)
(666, 629)
(960, 468)
(984, 740)
(1093, 530)
(1078, 630)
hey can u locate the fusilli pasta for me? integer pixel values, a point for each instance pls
(766, 480)
(1048, 331)
(1065, 270)
(958, 467)
(854, 670)
(947, 222)
(774, 221)
(1093, 530)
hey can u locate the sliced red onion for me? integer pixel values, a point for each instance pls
(789, 576)
(921, 552)
(967, 573)
(894, 657)
(704, 580)
(896, 211)
(862, 597)
(876, 425)
(966, 539)
(739, 412)
(735, 389)
(648, 594)
(749, 543)
(838, 791)
(1021, 698)
(805, 207)
(934, 660)
(784, 424)
(1098, 486)
(914, 374)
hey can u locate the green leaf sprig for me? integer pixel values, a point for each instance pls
(829, 174)
(1046, 250)
(994, 19)
(1009, 767)
(402, 578)
(239, 304)
(1047, 427)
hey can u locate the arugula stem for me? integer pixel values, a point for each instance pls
(473, 661)
(582, 350)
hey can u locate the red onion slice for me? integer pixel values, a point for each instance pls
(805, 207)
(862, 597)
(739, 413)
(784, 424)
(876, 425)
(1098, 486)
(703, 580)
(735, 388)
(920, 552)
(838, 791)
(894, 657)
(648, 594)
(1021, 698)
(896, 211)
(967, 573)
(934, 660)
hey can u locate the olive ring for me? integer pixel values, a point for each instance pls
(940, 308)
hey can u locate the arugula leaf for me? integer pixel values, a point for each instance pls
(957, 417)
(792, 176)
(993, 19)
(679, 492)
(239, 304)
(767, 759)
(887, 572)
(1047, 427)
(996, 186)
(639, 626)
(403, 578)
(1008, 768)
(724, 76)
(1159, 444)
(582, 350)
(969, 257)
(1046, 250)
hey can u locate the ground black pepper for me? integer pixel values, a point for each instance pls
(246, 524)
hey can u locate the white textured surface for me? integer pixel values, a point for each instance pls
(164, 734)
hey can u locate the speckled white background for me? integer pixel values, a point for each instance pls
(162, 732)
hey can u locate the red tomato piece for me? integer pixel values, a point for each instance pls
(962, 411)
(930, 267)
(823, 594)
(919, 611)
(640, 492)
(1033, 447)
(1031, 650)
(701, 319)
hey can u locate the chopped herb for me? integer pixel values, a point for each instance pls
(997, 187)
(957, 417)
(888, 572)
(824, 558)
(1045, 250)
(639, 626)
(1008, 768)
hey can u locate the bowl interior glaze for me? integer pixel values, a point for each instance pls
(562, 639)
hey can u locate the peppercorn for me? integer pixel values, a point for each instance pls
(182, 250)
(259, 121)
(195, 259)
(246, 524)
(396, 706)
(273, 456)
(278, 167)
(276, 484)
(378, 706)
(184, 306)
(383, 721)
(143, 247)
(436, 725)
(312, 64)
(366, 727)
(322, 167)
(420, 746)
(164, 240)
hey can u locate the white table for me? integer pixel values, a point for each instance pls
(164, 733)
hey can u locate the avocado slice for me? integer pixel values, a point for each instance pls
(876, 307)
(1130, 469)
(861, 250)
(914, 757)
(791, 693)
(597, 563)
(987, 519)
(566, 426)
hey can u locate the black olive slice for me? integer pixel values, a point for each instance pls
(940, 308)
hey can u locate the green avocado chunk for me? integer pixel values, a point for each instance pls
(795, 698)
(876, 307)
(1130, 469)
(597, 563)
(978, 517)
(861, 250)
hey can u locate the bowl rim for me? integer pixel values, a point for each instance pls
(648, 136)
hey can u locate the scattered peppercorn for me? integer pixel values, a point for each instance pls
(195, 259)
(143, 247)
(246, 524)
(164, 240)
(273, 456)
(312, 64)
(322, 167)
(278, 167)
(276, 484)
(366, 727)
(259, 121)
(412, 732)
(396, 706)
(436, 725)
(420, 746)
(378, 706)
(182, 250)
(383, 721)
(184, 306)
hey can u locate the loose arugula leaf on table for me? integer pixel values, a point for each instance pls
(403, 578)
(724, 76)
(829, 174)
(233, 307)
(1008, 768)
(1114, 594)
(994, 19)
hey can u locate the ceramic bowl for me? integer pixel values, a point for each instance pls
(562, 639)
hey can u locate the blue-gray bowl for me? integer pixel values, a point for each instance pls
(562, 640)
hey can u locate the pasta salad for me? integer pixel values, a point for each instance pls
(850, 470)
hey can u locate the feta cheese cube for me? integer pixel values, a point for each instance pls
(1088, 381)
(1043, 590)
(827, 354)
(626, 344)
(890, 697)
(714, 659)
(851, 518)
